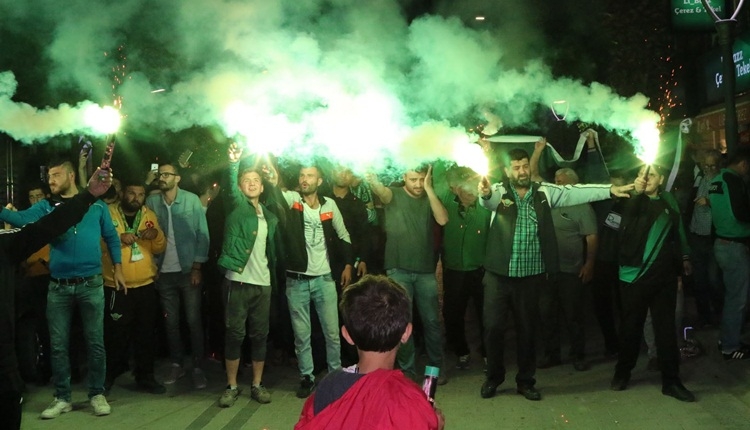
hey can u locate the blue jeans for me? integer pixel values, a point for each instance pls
(321, 291)
(89, 295)
(734, 260)
(423, 291)
(174, 288)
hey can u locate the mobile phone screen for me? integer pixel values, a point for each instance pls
(154, 167)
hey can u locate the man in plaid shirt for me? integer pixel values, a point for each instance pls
(521, 253)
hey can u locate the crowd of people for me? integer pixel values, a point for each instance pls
(267, 266)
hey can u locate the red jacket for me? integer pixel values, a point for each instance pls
(383, 399)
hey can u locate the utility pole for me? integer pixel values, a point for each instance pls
(725, 30)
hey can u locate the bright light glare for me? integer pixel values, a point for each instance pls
(102, 120)
(646, 142)
(479, 18)
(472, 156)
(160, 90)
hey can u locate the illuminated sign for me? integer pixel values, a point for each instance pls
(691, 15)
(714, 73)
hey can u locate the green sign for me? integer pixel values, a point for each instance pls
(714, 72)
(691, 15)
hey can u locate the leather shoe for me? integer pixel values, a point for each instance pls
(529, 392)
(549, 362)
(489, 388)
(679, 392)
(619, 383)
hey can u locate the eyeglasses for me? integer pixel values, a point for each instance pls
(167, 174)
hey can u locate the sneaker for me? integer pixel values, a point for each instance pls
(463, 362)
(175, 372)
(306, 387)
(150, 385)
(679, 392)
(442, 379)
(100, 405)
(740, 354)
(260, 394)
(56, 408)
(199, 379)
(229, 397)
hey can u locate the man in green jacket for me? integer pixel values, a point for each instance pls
(248, 256)
(462, 254)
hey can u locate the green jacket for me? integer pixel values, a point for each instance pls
(241, 229)
(730, 206)
(464, 236)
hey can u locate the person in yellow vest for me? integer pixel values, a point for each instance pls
(130, 314)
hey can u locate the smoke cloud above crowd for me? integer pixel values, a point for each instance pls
(350, 78)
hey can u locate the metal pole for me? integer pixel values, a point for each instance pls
(725, 31)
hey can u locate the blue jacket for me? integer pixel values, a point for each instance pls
(77, 252)
(190, 227)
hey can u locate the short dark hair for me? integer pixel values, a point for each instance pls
(741, 154)
(61, 162)
(247, 170)
(132, 182)
(175, 166)
(376, 311)
(517, 154)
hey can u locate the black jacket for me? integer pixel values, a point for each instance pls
(15, 246)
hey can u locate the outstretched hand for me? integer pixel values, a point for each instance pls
(235, 152)
(621, 190)
(99, 182)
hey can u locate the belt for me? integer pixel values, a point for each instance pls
(73, 281)
(300, 276)
(743, 240)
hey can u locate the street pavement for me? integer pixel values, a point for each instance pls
(571, 399)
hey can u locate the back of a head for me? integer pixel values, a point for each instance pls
(741, 154)
(376, 312)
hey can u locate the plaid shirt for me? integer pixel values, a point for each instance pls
(526, 258)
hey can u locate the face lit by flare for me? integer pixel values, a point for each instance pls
(60, 180)
(309, 180)
(519, 173)
(414, 183)
(251, 184)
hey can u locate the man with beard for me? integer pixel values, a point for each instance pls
(314, 235)
(15, 245)
(521, 254)
(75, 279)
(130, 314)
(183, 221)
(410, 214)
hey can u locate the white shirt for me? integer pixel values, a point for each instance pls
(256, 270)
(171, 262)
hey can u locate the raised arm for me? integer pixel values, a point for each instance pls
(535, 157)
(438, 210)
(384, 193)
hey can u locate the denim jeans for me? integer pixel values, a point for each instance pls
(89, 296)
(734, 260)
(320, 291)
(174, 288)
(423, 292)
